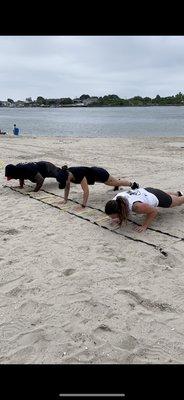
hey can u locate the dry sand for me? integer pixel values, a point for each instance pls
(72, 292)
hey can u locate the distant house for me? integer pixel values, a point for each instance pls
(76, 100)
(20, 103)
(5, 104)
(89, 101)
(77, 103)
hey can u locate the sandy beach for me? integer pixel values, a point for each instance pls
(72, 292)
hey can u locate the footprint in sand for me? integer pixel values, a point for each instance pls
(9, 231)
(11, 262)
(12, 231)
(169, 260)
(146, 303)
(121, 259)
(14, 292)
(31, 337)
(12, 287)
(103, 328)
(127, 342)
(69, 271)
(18, 356)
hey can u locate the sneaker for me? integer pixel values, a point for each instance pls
(179, 193)
(135, 185)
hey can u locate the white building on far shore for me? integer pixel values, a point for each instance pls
(90, 100)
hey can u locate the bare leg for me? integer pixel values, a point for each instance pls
(21, 181)
(173, 193)
(117, 182)
(39, 181)
(176, 201)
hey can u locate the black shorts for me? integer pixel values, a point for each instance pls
(100, 174)
(165, 200)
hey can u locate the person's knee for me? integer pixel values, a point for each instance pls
(110, 181)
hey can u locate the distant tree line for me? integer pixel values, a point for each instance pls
(88, 101)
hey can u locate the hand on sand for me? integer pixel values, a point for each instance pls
(140, 228)
(63, 202)
(79, 208)
(114, 221)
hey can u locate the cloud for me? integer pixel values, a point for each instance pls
(68, 66)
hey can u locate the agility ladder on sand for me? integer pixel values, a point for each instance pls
(1, 164)
(133, 222)
(90, 214)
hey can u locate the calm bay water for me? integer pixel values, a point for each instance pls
(95, 122)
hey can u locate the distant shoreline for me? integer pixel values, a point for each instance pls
(110, 100)
(98, 106)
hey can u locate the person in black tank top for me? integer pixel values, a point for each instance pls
(34, 171)
(86, 176)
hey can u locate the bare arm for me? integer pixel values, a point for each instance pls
(151, 213)
(39, 181)
(21, 182)
(85, 188)
(67, 191)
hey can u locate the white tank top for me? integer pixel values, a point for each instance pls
(141, 195)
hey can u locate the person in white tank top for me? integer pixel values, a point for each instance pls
(141, 201)
(141, 195)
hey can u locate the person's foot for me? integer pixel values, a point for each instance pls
(135, 185)
(179, 193)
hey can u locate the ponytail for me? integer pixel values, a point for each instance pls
(123, 209)
(118, 206)
(62, 176)
(64, 167)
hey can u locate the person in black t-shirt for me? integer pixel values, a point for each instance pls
(34, 171)
(88, 176)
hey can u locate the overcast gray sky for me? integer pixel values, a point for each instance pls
(69, 66)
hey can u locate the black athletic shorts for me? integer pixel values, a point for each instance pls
(165, 200)
(99, 174)
(92, 174)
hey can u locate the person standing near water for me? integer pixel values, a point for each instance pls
(15, 130)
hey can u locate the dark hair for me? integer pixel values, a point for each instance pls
(11, 170)
(118, 206)
(62, 184)
(64, 167)
(63, 176)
